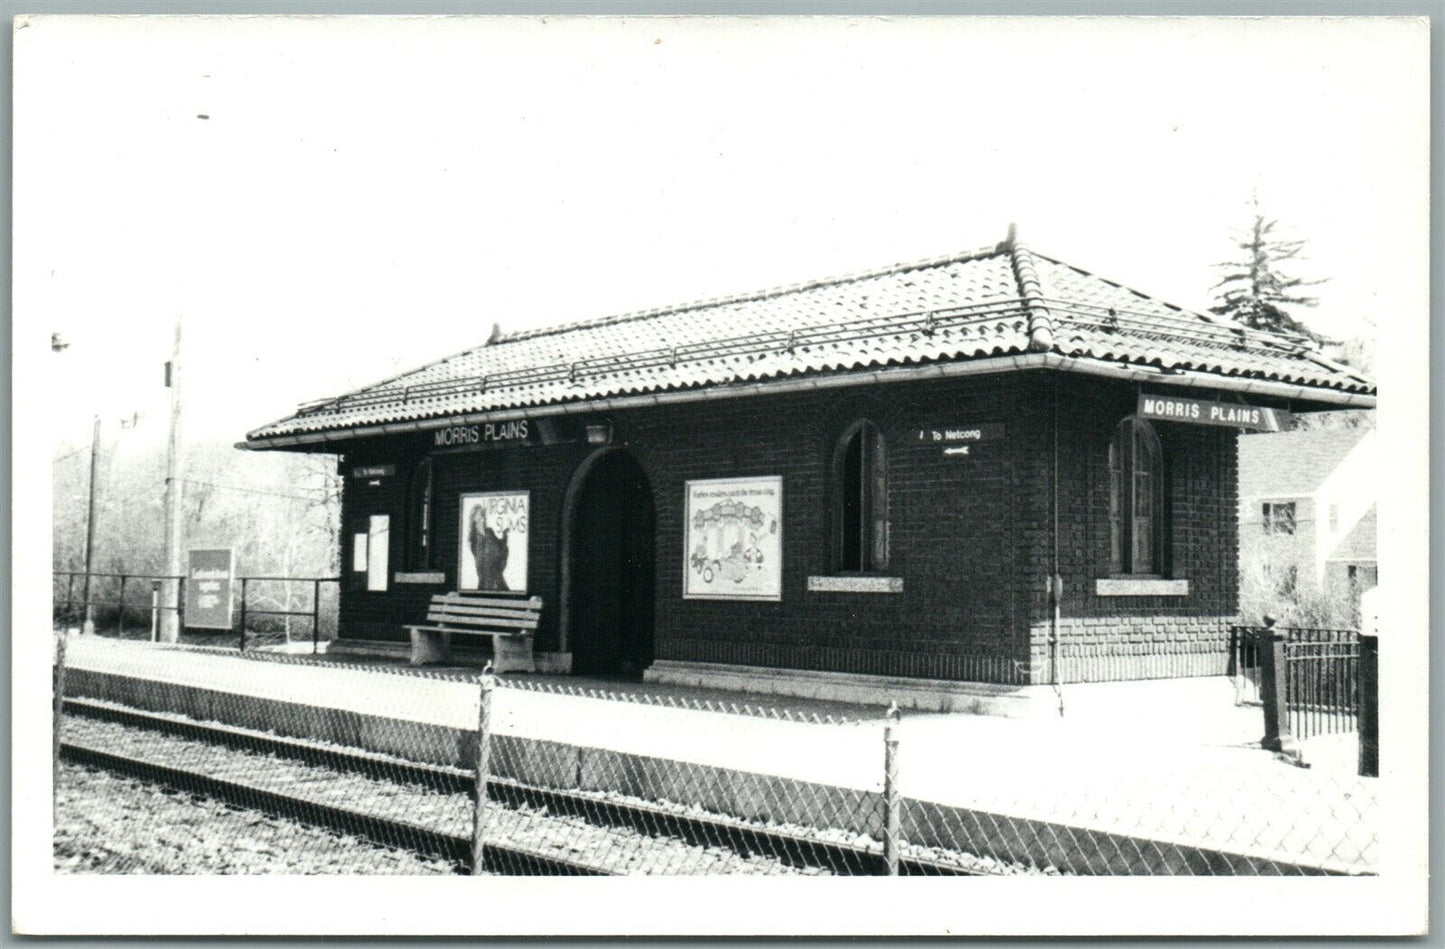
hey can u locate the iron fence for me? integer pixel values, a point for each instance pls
(129, 605)
(1310, 683)
(1322, 681)
(298, 766)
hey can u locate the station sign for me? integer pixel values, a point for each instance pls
(961, 440)
(1169, 408)
(210, 575)
(513, 433)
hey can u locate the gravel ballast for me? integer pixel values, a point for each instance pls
(611, 849)
(107, 823)
(530, 828)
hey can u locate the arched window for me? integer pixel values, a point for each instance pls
(861, 508)
(419, 519)
(1136, 499)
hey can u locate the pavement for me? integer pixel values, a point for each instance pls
(1193, 779)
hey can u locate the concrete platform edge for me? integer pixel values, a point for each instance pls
(934, 695)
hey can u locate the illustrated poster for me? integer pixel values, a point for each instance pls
(734, 539)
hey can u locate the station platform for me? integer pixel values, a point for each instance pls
(1096, 793)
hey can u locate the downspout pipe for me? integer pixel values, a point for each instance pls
(1056, 580)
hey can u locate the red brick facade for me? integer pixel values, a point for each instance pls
(971, 537)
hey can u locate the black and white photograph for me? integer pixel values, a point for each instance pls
(990, 452)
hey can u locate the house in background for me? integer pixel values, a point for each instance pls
(1307, 523)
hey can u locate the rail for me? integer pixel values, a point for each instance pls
(715, 831)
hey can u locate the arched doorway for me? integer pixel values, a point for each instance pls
(610, 568)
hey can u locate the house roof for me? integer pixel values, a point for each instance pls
(996, 302)
(1292, 464)
(1358, 546)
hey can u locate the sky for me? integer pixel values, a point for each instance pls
(368, 194)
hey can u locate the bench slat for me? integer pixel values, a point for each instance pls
(531, 603)
(509, 634)
(481, 611)
(481, 622)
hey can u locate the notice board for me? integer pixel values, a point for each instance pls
(209, 575)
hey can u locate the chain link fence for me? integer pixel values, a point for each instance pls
(186, 760)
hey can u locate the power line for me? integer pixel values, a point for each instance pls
(237, 488)
(69, 454)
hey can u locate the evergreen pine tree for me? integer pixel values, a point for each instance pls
(1255, 290)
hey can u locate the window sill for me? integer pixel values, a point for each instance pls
(855, 583)
(1140, 586)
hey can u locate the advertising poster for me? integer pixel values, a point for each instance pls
(734, 539)
(493, 555)
(208, 589)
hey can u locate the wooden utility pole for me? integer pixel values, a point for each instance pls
(170, 618)
(89, 626)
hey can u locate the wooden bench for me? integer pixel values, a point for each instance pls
(510, 622)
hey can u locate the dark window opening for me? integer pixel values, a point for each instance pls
(862, 507)
(1279, 517)
(419, 517)
(1136, 499)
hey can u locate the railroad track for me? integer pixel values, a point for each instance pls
(743, 838)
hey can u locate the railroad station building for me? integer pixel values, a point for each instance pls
(960, 476)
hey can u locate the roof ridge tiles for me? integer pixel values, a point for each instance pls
(499, 338)
(1041, 323)
(753, 295)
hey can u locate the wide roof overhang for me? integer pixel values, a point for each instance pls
(1300, 398)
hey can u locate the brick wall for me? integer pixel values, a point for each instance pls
(1118, 637)
(971, 537)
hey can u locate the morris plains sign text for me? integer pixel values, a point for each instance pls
(1201, 412)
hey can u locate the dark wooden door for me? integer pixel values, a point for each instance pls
(612, 570)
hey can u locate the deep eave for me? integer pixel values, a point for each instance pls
(1306, 398)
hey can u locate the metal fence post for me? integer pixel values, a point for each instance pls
(1272, 691)
(891, 801)
(315, 617)
(243, 615)
(59, 704)
(120, 611)
(87, 625)
(155, 607)
(484, 753)
(1369, 712)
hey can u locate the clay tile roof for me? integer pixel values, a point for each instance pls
(998, 301)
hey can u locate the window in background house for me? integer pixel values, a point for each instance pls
(1279, 517)
(861, 508)
(419, 516)
(1136, 499)
(1282, 578)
